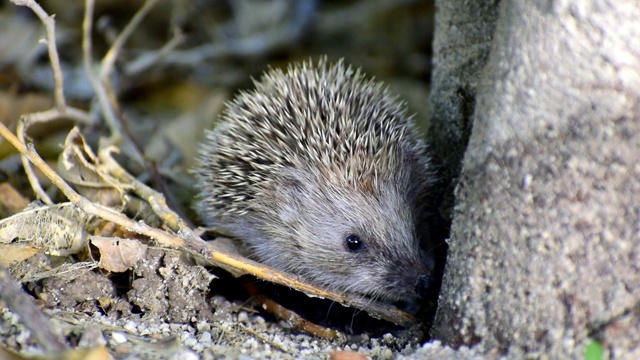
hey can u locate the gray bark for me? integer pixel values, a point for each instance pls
(462, 41)
(545, 244)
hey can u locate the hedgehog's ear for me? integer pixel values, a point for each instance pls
(291, 193)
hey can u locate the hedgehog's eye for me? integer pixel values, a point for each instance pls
(354, 243)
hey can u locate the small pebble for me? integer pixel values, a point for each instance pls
(205, 337)
(243, 317)
(131, 326)
(118, 337)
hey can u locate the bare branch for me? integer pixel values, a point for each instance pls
(148, 59)
(33, 179)
(60, 111)
(98, 88)
(77, 115)
(257, 44)
(49, 25)
(41, 117)
(110, 58)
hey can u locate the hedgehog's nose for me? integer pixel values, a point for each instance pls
(423, 285)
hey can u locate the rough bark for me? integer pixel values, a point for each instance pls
(462, 40)
(545, 244)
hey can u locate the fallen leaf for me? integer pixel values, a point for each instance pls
(79, 166)
(118, 254)
(15, 253)
(57, 229)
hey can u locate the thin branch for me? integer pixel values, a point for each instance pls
(148, 59)
(87, 57)
(60, 110)
(154, 198)
(287, 315)
(257, 44)
(31, 175)
(110, 58)
(49, 25)
(77, 115)
(42, 117)
(83, 203)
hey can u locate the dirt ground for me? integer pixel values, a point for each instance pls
(170, 303)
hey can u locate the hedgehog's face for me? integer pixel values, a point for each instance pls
(345, 238)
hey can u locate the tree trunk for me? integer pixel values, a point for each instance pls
(545, 244)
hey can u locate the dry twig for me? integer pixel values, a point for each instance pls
(148, 59)
(295, 319)
(109, 59)
(96, 84)
(49, 25)
(61, 110)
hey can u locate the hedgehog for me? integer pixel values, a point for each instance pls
(320, 173)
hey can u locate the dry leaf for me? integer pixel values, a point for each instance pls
(117, 254)
(58, 229)
(79, 166)
(15, 253)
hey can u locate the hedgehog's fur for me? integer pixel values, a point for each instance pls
(308, 158)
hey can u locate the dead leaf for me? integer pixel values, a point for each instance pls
(118, 254)
(57, 229)
(79, 166)
(14, 253)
